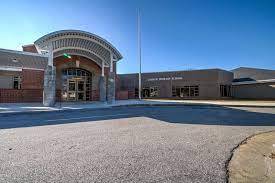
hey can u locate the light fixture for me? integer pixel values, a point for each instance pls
(67, 55)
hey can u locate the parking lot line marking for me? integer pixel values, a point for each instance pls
(89, 117)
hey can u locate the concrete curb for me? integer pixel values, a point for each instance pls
(3, 114)
(236, 147)
(205, 105)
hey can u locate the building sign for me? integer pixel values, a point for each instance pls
(165, 79)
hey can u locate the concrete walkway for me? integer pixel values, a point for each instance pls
(32, 107)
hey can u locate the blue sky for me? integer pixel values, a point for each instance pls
(176, 34)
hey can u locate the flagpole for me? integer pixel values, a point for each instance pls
(139, 55)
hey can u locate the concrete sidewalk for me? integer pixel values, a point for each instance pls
(34, 107)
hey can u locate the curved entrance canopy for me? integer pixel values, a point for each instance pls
(81, 43)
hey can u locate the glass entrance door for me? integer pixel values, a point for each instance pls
(76, 90)
(72, 90)
(81, 90)
(76, 84)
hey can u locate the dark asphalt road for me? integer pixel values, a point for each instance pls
(133, 144)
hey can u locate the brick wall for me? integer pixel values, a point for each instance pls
(31, 88)
(23, 95)
(30, 48)
(95, 95)
(131, 94)
(122, 95)
(32, 79)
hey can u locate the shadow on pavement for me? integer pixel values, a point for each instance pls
(207, 115)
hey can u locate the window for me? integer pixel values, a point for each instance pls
(185, 91)
(174, 93)
(154, 91)
(177, 91)
(194, 91)
(225, 90)
(145, 92)
(17, 82)
(76, 80)
(150, 91)
(136, 93)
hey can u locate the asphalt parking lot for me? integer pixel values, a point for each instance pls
(127, 144)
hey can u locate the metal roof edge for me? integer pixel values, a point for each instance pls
(23, 53)
(254, 82)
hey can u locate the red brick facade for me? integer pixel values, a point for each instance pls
(32, 79)
(31, 88)
(22, 95)
(122, 95)
(30, 48)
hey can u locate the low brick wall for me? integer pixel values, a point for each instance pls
(122, 95)
(95, 95)
(131, 94)
(22, 95)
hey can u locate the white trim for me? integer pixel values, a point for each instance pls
(80, 55)
(79, 37)
(22, 52)
(78, 48)
(10, 68)
(29, 68)
(253, 82)
(102, 68)
(111, 62)
(38, 49)
(75, 33)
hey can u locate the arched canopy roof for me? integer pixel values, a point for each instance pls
(79, 43)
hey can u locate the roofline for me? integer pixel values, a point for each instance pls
(214, 69)
(27, 45)
(251, 68)
(254, 82)
(23, 53)
(83, 32)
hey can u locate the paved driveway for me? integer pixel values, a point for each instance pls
(134, 144)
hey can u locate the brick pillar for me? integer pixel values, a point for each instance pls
(111, 87)
(111, 96)
(49, 86)
(102, 88)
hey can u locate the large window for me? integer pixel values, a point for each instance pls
(185, 91)
(76, 84)
(150, 91)
(136, 93)
(16, 82)
(154, 91)
(225, 90)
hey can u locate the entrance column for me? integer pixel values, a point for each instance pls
(111, 82)
(49, 81)
(102, 84)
